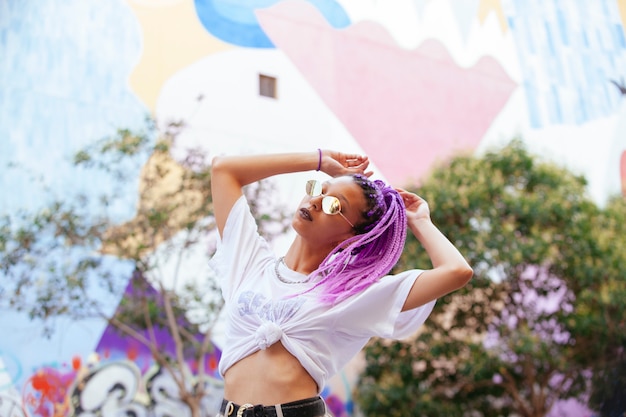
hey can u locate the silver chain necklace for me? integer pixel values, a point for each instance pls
(281, 278)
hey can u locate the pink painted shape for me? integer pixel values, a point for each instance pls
(407, 109)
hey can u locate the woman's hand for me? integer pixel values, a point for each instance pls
(450, 270)
(337, 164)
(416, 207)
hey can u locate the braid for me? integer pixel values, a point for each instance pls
(366, 257)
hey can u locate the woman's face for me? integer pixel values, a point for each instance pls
(312, 221)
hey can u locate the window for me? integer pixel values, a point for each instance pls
(267, 86)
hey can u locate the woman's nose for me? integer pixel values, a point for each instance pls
(316, 202)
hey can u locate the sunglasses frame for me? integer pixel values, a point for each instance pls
(327, 200)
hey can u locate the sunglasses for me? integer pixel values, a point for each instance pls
(330, 204)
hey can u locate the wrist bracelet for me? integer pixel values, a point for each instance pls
(319, 162)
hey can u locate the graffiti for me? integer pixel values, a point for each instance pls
(115, 389)
(111, 389)
(10, 405)
(44, 394)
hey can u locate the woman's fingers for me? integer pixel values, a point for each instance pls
(347, 164)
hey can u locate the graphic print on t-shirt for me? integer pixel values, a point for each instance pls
(277, 311)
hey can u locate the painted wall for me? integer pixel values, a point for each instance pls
(408, 82)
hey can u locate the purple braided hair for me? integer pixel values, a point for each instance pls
(369, 255)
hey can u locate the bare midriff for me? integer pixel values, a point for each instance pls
(271, 376)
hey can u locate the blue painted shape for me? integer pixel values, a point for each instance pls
(64, 72)
(235, 21)
(618, 32)
(562, 25)
(550, 41)
(568, 49)
(64, 69)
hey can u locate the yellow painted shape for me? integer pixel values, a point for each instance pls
(622, 12)
(165, 187)
(488, 6)
(173, 38)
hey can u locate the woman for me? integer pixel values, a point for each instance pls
(294, 321)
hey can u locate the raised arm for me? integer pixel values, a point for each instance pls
(229, 174)
(450, 270)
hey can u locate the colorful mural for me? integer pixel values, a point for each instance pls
(408, 82)
(426, 82)
(236, 23)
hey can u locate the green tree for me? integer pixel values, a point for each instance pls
(602, 316)
(524, 333)
(52, 258)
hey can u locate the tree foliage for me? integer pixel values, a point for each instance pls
(544, 311)
(59, 260)
(602, 314)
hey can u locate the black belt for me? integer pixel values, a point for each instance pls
(311, 407)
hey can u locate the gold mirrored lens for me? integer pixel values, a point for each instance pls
(331, 205)
(313, 188)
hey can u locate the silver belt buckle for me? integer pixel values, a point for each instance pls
(243, 408)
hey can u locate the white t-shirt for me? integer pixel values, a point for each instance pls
(259, 310)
